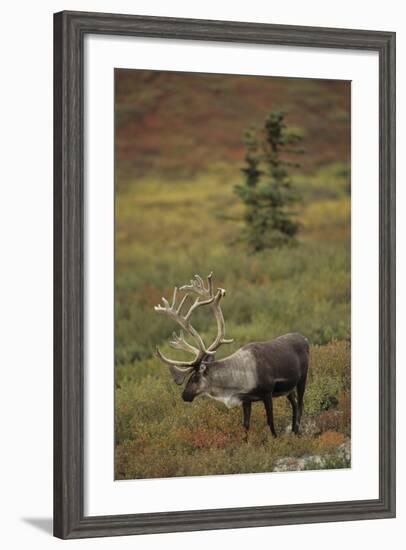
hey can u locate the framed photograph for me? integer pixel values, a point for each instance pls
(224, 274)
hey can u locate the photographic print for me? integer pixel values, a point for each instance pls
(232, 274)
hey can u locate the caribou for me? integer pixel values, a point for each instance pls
(258, 371)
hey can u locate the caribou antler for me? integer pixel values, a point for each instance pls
(175, 312)
(198, 287)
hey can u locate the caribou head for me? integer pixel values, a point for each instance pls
(203, 355)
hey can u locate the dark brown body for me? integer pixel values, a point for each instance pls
(258, 371)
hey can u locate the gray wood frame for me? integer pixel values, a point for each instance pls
(69, 31)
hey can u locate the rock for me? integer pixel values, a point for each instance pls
(345, 448)
(312, 462)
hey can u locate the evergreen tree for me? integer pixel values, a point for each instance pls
(267, 191)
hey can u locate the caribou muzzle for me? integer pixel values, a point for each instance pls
(188, 396)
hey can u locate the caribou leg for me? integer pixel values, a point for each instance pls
(247, 414)
(269, 412)
(246, 407)
(293, 402)
(300, 393)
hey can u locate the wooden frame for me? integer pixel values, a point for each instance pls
(69, 31)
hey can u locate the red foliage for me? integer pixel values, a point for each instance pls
(206, 439)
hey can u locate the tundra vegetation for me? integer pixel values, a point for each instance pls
(179, 156)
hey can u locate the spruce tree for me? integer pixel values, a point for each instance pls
(267, 191)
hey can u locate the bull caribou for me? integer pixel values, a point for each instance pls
(258, 371)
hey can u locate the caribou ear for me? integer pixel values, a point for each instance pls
(202, 367)
(178, 374)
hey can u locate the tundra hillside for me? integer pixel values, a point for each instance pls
(179, 152)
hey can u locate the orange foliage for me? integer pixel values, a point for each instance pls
(330, 440)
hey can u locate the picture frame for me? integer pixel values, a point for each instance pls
(70, 29)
